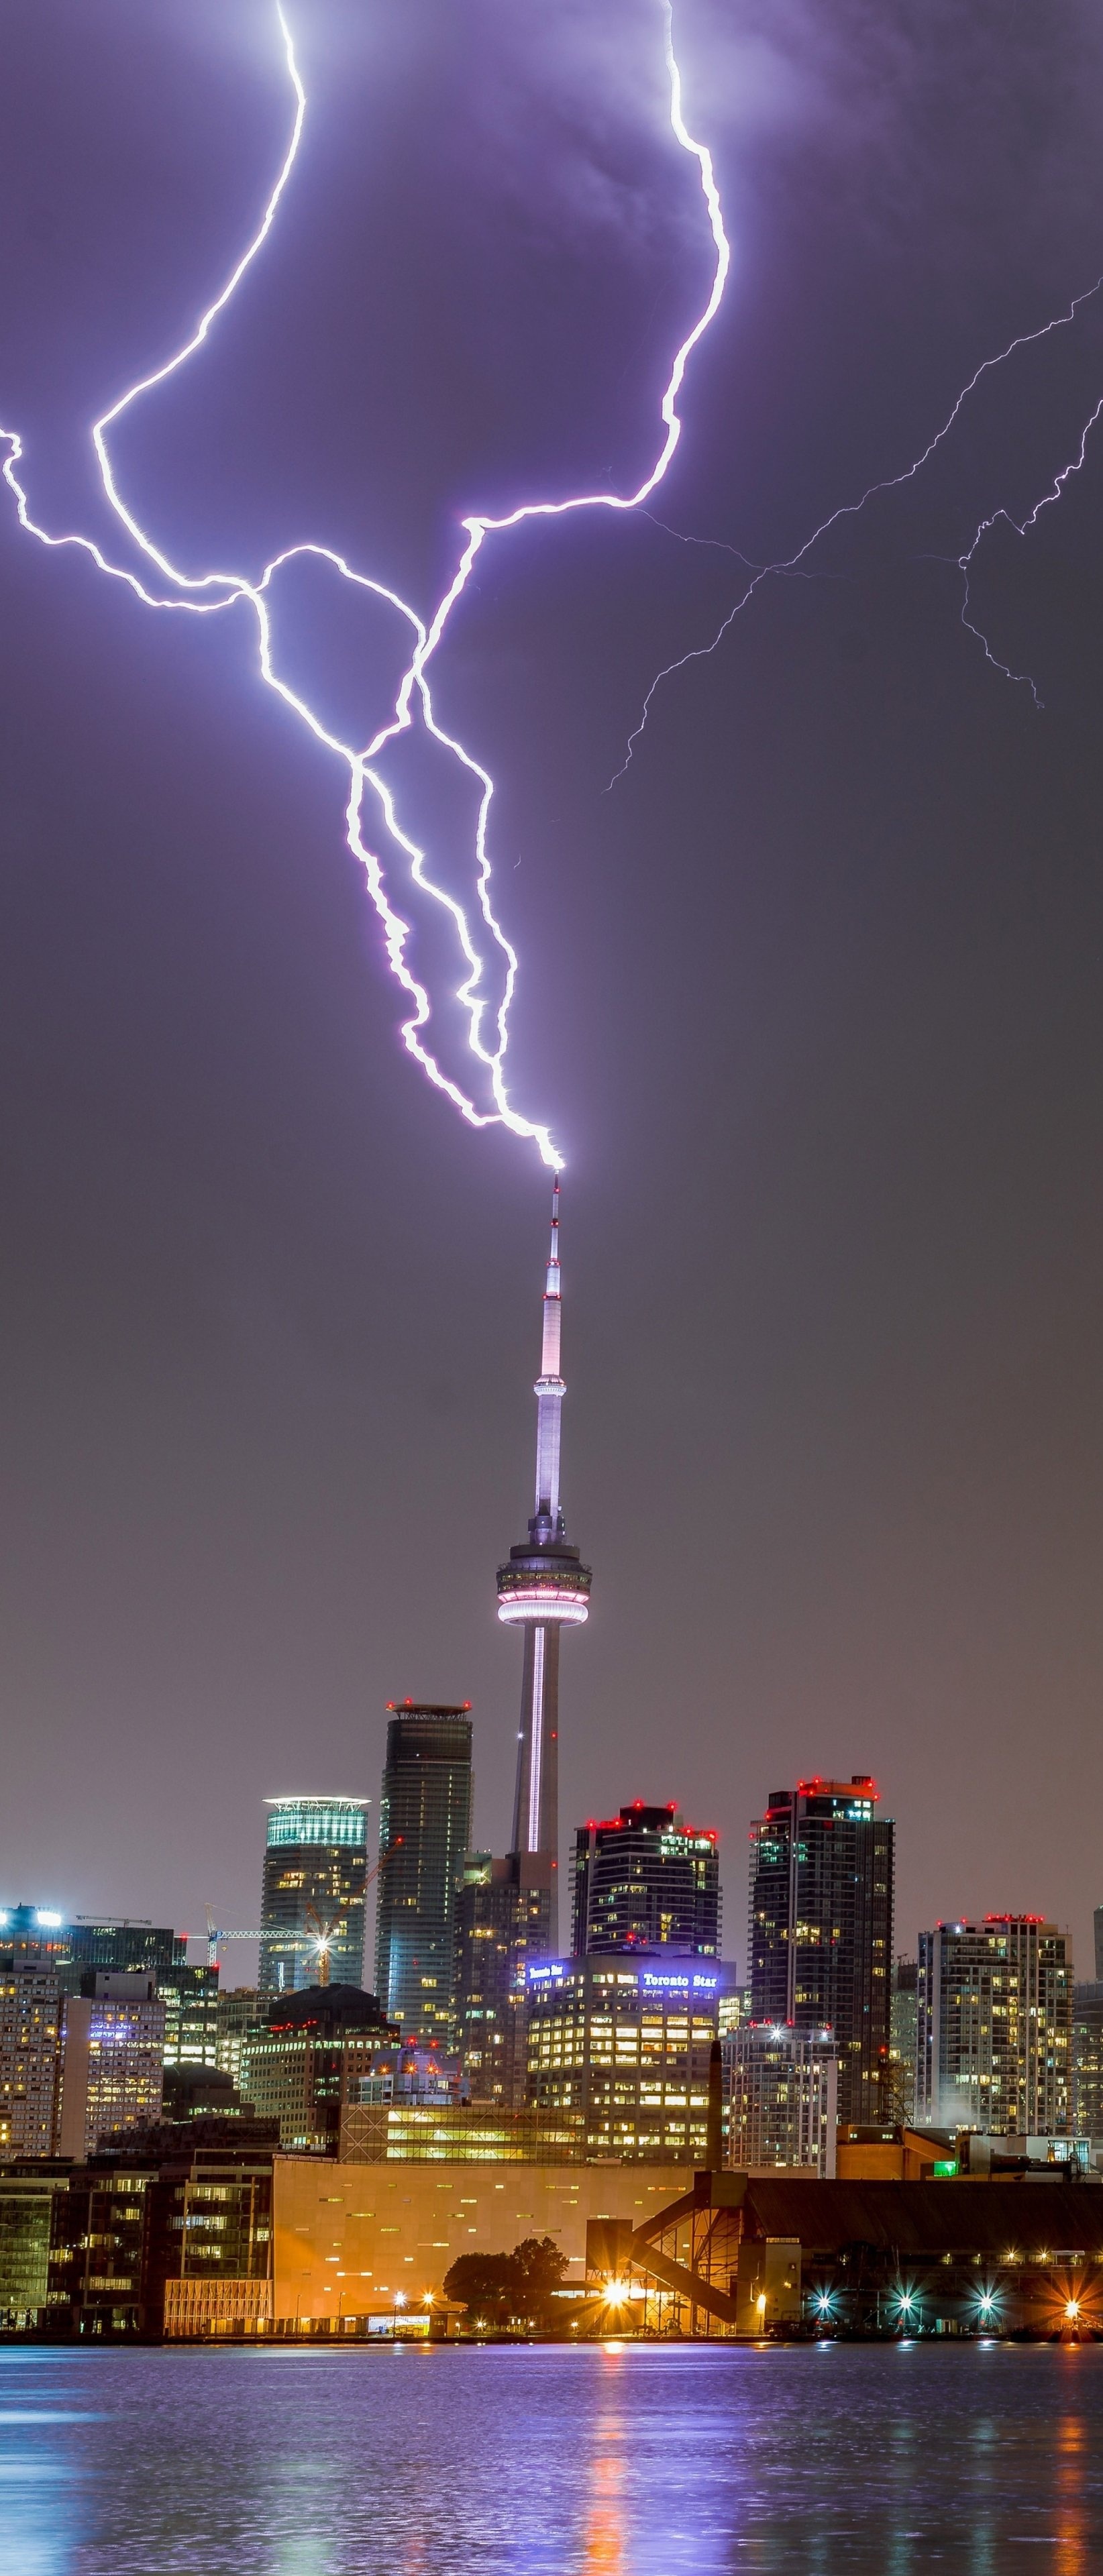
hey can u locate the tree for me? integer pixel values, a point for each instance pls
(501, 2286)
(540, 2270)
(486, 2284)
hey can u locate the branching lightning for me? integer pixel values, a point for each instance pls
(209, 593)
(791, 564)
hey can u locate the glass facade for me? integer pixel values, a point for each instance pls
(623, 2046)
(455, 2133)
(424, 1836)
(190, 1997)
(315, 1873)
(645, 1879)
(502, 1922)
(820, 1929)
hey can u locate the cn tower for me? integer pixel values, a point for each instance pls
(542, 1588)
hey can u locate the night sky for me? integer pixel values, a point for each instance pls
(812, 997)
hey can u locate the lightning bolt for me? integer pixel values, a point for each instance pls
(477, 930)
(792, 564)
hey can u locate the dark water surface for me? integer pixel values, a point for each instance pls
(238, 2463)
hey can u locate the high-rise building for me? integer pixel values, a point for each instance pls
(644, 1879)
(1087, 2059)
(30, 2060)
(624, 2045)
(112, 2060)
(240, 2013)
(994, 2044)
(307, 2066)
(782, 2090)
(543, 1588)
(500, 1925)
(190, 1997)
(1097, 1921)
(900, 2095)
(424, 1832)
(312, 1905)
(820, 1936)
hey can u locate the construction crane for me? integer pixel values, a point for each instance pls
(319, 1940)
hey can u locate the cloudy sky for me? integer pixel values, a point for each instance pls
(811, 995)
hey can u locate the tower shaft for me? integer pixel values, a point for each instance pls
(541, 1589)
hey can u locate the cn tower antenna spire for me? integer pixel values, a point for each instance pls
(543, 1588)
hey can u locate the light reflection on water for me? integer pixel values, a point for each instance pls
(645, 2462)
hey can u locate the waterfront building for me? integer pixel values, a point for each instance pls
(375, 2242)
(1087, 2059)
(239, 2013)
(501, 1923)
(994, 2025)
(781, 2088)
(113, 2040)
(645, 1880)
(424, 1833)
(624, 2044)
(820, 1932)
(312, 1902)
(30, 2060)
(404, 2130)
(543, 1588)
(305, 2068)
(900, 2089)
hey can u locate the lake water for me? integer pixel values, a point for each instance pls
(647, 2461)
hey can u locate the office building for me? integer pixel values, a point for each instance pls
(306, 2067)
(404, 2131)
(1087, 2059)
(424, 1834)
(190, 1998)
(624, 2045)
(820, 1933)
(312, 1902)
(113, 2040)
(994, 2026)
(34, 1936)
(240, 2012)
(501, 1924)
(543, 1588)
(644, 1880)
(781, 2088)
(30, 2060)
(899, 2103)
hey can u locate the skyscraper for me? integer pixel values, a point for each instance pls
(645, 1878)
(500, 1925)
(315, 1870)
(820, 1935)
(424, 1832)
(542, 1588)
(994, 2047)
(1087, 2059)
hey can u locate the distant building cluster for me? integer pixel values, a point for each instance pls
(182, 2158)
